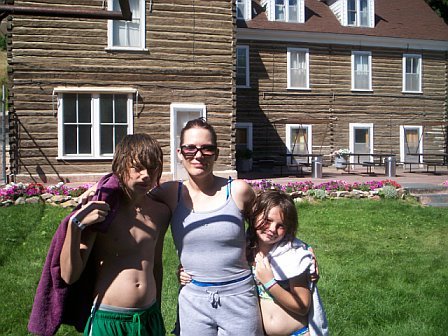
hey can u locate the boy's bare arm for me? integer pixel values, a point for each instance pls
(78, 242)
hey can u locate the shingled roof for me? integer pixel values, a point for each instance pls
(408, 19)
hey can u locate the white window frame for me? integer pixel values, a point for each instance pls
(245, 49)
(352, 127)
(142, 28)
(357, 23)
(309, 130)
(307, 68)
(94, 121)
(246, 9)
(369, 65)
(271, 11)
(420, 72)
(403, 143)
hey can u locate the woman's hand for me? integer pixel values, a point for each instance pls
(87, 195)
(263, 270)
(314, 276)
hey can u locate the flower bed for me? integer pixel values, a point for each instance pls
(19, 193)
(333, 189)
(61, 194)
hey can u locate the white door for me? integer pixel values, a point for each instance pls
(180, 115)
(361, 141)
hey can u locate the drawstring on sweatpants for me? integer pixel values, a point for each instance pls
(214, 299)
(136, 319)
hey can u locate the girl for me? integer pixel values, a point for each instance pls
(283, 269)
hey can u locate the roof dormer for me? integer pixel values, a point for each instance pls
(285, 10)
(243, 9)
(354, 13)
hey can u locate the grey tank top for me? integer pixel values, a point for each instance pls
(210, 244)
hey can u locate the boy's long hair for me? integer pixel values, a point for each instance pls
(263, 203)
(137, 150)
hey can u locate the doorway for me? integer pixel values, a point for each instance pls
(181, 113)
(361, 141)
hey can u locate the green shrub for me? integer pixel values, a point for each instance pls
(318, 193)
(389, 192)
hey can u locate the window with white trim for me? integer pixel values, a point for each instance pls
(128, 35)
(90, 125)
(242, 66)
(285, 10)
(298, 68)
(412, 73)
(360, 13)
(362, 70)
(243, 9)
(298, 141)
(411, 142)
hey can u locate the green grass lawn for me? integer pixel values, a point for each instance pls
(383, 265)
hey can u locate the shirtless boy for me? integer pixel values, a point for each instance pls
(128, 257)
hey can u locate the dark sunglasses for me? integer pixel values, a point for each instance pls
(189, 151)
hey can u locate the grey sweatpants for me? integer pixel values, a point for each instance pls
(228, 310)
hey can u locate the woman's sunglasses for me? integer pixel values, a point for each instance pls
(189, 151)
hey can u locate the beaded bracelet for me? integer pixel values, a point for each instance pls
(268, 285)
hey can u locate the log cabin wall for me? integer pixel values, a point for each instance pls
(188, 59)
(330, 105)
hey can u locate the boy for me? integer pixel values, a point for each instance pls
(126, 259)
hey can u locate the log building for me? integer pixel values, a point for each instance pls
(274, 77)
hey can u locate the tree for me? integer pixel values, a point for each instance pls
(440, 7)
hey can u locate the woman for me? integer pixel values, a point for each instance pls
(208, 231)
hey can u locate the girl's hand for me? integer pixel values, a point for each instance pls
(263, 270)
(184, 277)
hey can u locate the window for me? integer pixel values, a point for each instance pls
(298, 141)
(242, 66)
(412, 73)
(243, 9)
(298, 65)
(360, 13)
(361, 71)
(285, 10)
(361, 141)
(243, 136)
(129, 35)
(410, 143)
(90, 125)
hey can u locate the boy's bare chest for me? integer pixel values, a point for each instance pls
(131, 233)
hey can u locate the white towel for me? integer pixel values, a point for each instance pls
(290, 259)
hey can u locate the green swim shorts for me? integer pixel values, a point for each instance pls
(115, 321)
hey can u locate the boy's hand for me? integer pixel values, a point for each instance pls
(92, 212)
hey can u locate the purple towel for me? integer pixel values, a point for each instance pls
(55, 301)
